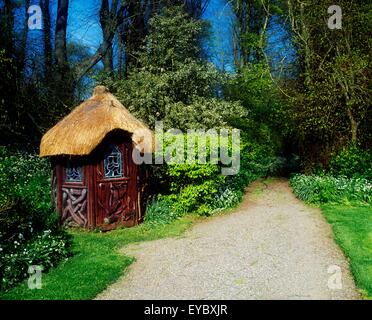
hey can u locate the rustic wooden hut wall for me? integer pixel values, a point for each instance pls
(95, 181)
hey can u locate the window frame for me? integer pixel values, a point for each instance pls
(113, 150)
(70, 164)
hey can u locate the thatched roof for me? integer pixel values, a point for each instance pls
(80, 132)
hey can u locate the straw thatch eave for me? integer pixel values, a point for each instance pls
(80, 132)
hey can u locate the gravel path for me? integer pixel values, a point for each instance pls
(272, 247)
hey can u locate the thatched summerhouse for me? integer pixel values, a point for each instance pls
(95, 180)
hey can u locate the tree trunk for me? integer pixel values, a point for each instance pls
(108, 59)
(120, 56)
(353, 126)
(60, 39)
(235, 44)
(135, 33)
(48, 59)
(262, 44)
(106, 21)
(116, 19)
(64, 82)
(8, 29)
(22, 48)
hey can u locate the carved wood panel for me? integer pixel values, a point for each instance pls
(115, 203)
(74, 203)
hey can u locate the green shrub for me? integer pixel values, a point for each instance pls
(193, 196)
(30, 232)
(323, 189)
(201, 188)
(226, 198)
(46, 249)
(256, 160)
(191, 185)
(160, 211)
(352, 161)
(25, 193)
(183, 175)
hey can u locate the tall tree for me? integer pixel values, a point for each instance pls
(48, 54)
(61, 39)
(332, 96)
(174, 83)
(7, 16)
(249, 31)
(108, 18)
(139, 13)
(111, 20)
(23, 42)
(135, 31)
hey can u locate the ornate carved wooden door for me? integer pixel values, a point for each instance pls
(116, 186)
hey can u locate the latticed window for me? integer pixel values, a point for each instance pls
(74, 173)
(113, 164)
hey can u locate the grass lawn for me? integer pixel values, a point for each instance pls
(352, 227)
(96, 263)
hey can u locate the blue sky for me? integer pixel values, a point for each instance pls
(220, 16)
(83, 24)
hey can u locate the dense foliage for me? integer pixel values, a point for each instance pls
(331, 95)
(348, 179)
(201, 188)
(29, 230)
(323, 189)
(352, 161)
(174, 83)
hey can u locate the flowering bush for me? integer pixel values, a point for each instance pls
(160, 211)
(226, 198)
(322, 189)
(46, 249)
(26, 211)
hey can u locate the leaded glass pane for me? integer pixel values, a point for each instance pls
(113, 165)
(74, 173)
